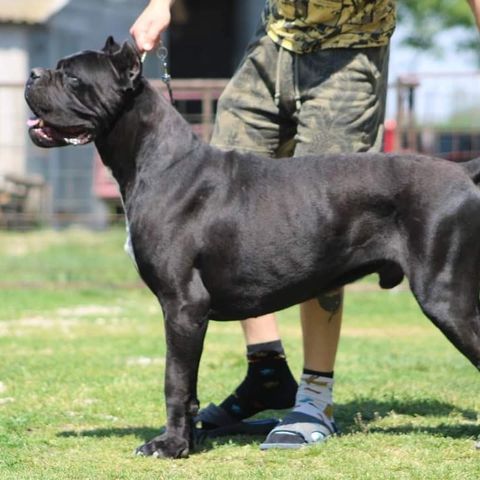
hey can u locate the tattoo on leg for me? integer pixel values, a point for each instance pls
(331, 302)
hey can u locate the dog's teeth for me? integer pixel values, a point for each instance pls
(32, 122)
(41, 123)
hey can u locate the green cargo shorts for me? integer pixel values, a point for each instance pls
(280, 103)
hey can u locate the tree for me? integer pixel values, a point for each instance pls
(425, 19)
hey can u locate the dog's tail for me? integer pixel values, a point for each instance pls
(472, 169)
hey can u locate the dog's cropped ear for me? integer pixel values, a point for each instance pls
(128, 64)
(111, 46)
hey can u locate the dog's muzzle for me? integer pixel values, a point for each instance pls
(43, 132)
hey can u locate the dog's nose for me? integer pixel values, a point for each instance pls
(36, 73)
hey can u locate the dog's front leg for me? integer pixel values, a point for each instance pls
(185, 328)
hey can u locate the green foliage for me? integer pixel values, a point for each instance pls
(425, 19)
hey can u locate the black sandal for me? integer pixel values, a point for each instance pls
(213, 421)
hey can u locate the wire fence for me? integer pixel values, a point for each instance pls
(432, 113)
(439, 114)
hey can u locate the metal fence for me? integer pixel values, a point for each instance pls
(196, 100)
(70, 185)
(24, 197)
(438, 114)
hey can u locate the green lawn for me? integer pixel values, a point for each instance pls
(82, 357)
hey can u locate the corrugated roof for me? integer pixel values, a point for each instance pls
(29, 11)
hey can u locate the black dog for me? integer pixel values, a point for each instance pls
(223, 235)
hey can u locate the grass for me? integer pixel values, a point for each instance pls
(82, 356)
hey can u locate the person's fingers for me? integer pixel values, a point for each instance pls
(143, 43)
(139, 34)
(147, 29)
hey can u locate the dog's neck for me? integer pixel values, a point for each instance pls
(127, 148)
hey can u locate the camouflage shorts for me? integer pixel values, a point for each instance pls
(280, 103)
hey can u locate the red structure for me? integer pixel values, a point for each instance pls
(389, 136)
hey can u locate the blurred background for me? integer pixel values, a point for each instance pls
(433, 101)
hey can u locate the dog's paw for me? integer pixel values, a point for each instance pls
(164, 446)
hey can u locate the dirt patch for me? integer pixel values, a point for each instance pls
(23, 326)
(88, 311)
(145, 361)
(19, 245)
(386, 332)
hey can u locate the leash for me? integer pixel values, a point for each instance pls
(162, 55)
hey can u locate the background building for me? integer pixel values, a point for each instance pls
(206, 40)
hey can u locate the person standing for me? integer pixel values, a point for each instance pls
(313, 80)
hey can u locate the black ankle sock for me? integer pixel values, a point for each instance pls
(260, 348)
(307, 371)
(268, 383)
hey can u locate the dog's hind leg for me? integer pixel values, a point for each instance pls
(457, 315)
(449, 296)
(186, 319)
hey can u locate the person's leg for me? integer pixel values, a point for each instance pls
(342, 110)
(249, 120)
(262, 329)
(311, 420)
(268, 383)
(321, 323)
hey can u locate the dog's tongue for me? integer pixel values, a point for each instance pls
(32, 122)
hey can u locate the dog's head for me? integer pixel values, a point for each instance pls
(83, 95)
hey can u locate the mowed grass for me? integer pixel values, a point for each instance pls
(82, 358)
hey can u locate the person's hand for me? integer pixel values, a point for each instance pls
(148, 27)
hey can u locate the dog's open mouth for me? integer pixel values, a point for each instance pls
(48, 135)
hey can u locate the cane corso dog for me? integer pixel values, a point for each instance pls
(225, 235)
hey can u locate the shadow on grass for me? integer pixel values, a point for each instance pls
(443, 430)
(359, 414)
(352, 417)
(146, 433)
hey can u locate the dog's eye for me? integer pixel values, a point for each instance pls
(73, 80)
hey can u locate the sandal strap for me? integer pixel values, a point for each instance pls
(310, 429)
(215, 415)
(310, 432)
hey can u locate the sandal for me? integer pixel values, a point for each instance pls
(298, 430)
(214, 421)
